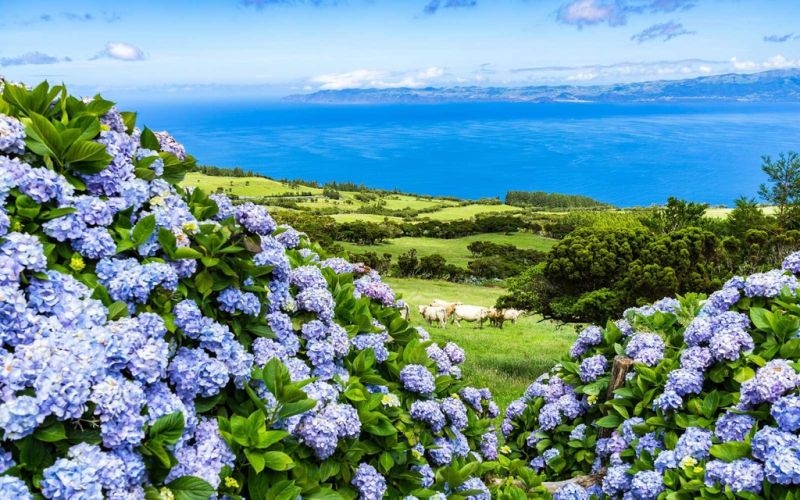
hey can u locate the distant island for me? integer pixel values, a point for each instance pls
(768, 86)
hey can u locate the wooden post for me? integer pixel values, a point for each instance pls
(622, 365)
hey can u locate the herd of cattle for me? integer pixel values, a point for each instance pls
(442, 312)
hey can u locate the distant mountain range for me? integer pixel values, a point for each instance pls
(771, 86)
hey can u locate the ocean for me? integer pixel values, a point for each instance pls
(627, 154)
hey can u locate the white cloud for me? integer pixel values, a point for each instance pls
(121, 51)
(775, 62)
(378, 79)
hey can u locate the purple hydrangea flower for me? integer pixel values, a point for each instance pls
(733, 426)
(593, 367)
(370, 484)
(590, 336)
(646, 485)
(12, 135)
(739, 475)
(417, 378)
(786, 412)
(771, 382)
(647, 348)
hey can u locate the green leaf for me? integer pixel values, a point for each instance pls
(731, 451)
(743, 374)
(168, 428)
(187, 253)
(143, 229)
(278, 460)
(190, 488)
(204, 282)
(256, 459)
(265, 438)
(51, 433)
(791, 349)
(42, 137)
(290, 409)
(609, 421)
(87, 157)
(118, 310)
(149, 140)
(760, 318)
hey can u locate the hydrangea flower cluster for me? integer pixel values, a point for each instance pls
(127, 301)
(714, 398)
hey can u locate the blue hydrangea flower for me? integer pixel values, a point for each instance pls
(617, 480)
(647, 348)
(683, 382)
(12, 135)
(255, 218)
(771, 382)
(786, 412)
(783, 466)
(571, 491)
(13, 487)
(477, 485)
(646, 485)
(768, 440)
(417, 378)
(695, 442)
(769, 284)
(590, 336)
(371, 485)
(739, 475)
(593, 367)
(733, 427)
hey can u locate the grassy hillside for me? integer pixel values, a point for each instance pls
(504, 360)
(245, 186)
(454, 250)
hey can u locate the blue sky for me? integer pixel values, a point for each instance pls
(276, 47)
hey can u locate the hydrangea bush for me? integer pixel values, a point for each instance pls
(159, 342)
(710, 408)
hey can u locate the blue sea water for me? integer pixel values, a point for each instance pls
(630, 154)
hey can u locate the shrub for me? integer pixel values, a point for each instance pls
(166, 343)
(709, 409)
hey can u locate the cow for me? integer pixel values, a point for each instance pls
(496, 317)
(470, 313)
(432, 314)
(512, 315)
(449, 307)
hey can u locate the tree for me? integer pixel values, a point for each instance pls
(746, 215)
(782, 188)
(408, 264)
(676, 215)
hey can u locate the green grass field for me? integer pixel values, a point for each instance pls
(507, 360)
(467, 211)
(454, 250)
(244, 186)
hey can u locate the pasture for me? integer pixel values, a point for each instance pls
(504, 360)
(245, 186)
(454, 250)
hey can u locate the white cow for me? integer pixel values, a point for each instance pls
(470, 313)
(449, 307)
(512, 315)
(432, 314)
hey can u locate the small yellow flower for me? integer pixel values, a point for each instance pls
(688, 462)
(156, 200)
(592, 399)
(166, 494)
(76, 263)
(390, 400)
(16, 226)
(191, 227)
(505, 449)
(698, 469)
(231, 482)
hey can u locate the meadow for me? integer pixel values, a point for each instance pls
(506, 360)
(455, 249)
